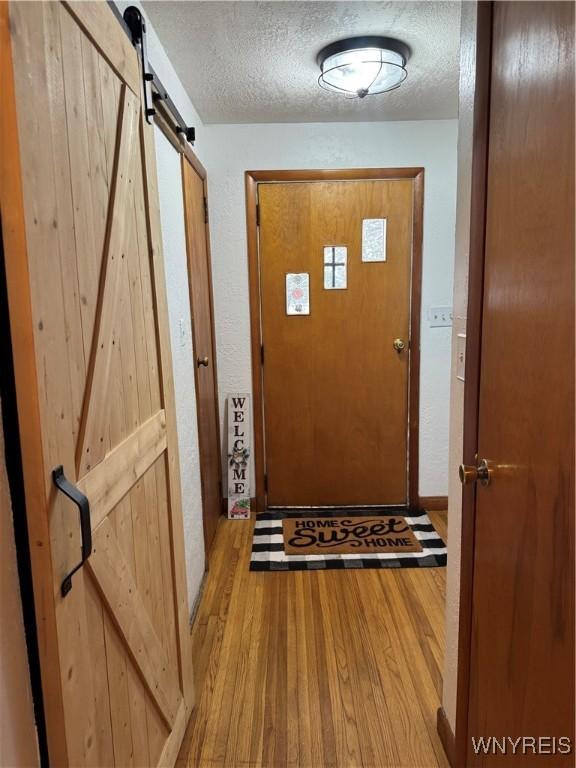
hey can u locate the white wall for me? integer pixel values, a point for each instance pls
(174, 246)
(232, 149)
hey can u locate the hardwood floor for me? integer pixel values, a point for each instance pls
(318, 669)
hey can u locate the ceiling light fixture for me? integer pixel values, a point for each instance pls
(363, 66)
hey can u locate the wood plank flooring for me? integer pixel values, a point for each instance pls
(319, 669)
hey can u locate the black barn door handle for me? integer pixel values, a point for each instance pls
(81, 502)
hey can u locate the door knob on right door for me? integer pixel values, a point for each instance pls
(469, 475)
(399, 345)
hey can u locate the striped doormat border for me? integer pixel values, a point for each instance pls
(268, 544)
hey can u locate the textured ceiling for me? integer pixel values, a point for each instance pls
(255, 62)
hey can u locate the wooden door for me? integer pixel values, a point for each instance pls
(201, 308)
(522, 657)
(93, 374)
(335, 388)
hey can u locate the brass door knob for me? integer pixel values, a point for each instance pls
(399, 345)
(202, 361)
(469, 475)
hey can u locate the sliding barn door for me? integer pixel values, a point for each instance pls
(95, 394)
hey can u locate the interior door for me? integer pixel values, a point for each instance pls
(201, 307)
(522, 675)
(95, 396)
(335, 387)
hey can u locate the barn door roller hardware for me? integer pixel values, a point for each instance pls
(154, 91)
(66, 487)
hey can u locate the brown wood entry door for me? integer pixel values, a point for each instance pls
(95, 395)
(201, 307)
(522, 657)
(335, 388)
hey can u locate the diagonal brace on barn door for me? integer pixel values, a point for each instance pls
(96, 395)
(114, 579)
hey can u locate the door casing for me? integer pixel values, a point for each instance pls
(209, 526)
(252, 179)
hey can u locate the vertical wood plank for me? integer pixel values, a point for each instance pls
(168, 617)
(65, 224)
(81, 179)
(369, 687)
(138, 718)
(122, 685)
(245, 715)
(111, 104)
(143, 493)
(146, 284)
(96, 629)
(338, 677)
(149, 398)
(35, 285)
(119, 696)
(320, 694)
(307, 750)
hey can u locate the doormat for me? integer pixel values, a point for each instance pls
(296, 540)
(347, 535)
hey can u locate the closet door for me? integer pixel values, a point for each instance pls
(201, 307)
(522, 641)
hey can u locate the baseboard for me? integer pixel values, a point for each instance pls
(433, 503)
(197, 601)
(446, 734)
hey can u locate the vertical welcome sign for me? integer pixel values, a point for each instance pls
(238, 457)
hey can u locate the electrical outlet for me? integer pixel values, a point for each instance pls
(440, 316)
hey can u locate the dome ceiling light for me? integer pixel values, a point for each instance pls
(363, 66)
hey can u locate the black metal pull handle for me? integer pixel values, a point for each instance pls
(81, 502)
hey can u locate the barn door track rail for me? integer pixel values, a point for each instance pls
(154, 92)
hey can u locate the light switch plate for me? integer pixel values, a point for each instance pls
(460, 356)
(440, 317)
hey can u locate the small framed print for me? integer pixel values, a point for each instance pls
(335, 267)
(374, 239)
(297, 293)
